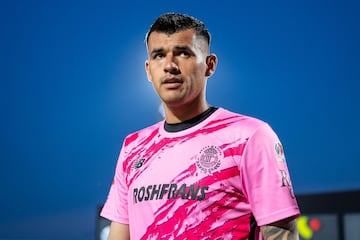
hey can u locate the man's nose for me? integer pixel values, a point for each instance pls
(171, 66)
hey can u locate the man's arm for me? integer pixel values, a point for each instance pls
(282, 230)
(119, 231)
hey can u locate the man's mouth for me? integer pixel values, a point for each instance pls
(172, 82)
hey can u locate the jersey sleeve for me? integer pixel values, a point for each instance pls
(116, 206)
(265, 178)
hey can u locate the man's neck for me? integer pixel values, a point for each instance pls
(183, 113)
(177, 127)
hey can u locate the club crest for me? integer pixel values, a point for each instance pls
(209, 159)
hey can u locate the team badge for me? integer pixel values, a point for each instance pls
(209, 159)
(279, 152)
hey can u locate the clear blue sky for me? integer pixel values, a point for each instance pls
(73, 86)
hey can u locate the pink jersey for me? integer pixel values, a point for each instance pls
(203, 182)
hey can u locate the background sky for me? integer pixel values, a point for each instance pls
(73, 86)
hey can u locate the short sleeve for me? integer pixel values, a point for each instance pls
(266, 179)
(116, 205)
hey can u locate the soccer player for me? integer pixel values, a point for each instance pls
(203, 172)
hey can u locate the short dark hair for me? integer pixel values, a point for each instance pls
(170, 23)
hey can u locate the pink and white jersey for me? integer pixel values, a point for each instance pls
(203, 182)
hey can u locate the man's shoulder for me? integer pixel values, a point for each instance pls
(143, 133)
(240, 119)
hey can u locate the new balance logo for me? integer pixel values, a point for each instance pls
(139, 163)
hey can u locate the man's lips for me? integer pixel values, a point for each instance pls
(172, 82)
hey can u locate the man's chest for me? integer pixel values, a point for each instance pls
(183, 169)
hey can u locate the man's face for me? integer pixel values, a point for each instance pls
(177, 66)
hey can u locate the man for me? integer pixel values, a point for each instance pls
(204, 172)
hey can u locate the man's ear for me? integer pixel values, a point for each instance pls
(148, 71)
(211, 63)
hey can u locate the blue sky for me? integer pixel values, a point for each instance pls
(73, 86)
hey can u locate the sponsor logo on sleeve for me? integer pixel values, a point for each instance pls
(280, 156)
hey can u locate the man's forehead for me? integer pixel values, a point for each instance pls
(186, 37)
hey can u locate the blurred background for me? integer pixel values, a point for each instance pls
(73, 85)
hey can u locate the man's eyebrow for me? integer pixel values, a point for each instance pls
(177, 48)
(157, 50)
(182, 48)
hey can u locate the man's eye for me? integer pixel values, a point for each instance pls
(184, 54)
(158, 56)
